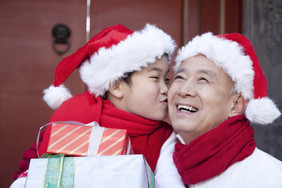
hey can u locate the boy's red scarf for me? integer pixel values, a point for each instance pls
(213, 152)
(146, 136)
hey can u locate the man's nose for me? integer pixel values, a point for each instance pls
(187, 89)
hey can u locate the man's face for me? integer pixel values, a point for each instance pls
(199, 98)
(146, 96)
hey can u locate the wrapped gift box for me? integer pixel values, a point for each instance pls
(100, 172)
(83, 140)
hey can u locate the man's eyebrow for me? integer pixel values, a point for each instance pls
(204, 71)
(207, 72)
(179, 71)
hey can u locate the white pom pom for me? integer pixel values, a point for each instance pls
(55, 96)
(262, 111)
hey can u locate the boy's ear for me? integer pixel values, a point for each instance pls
(116, 90)
(239, 105)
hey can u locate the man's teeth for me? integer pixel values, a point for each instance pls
(186, 108)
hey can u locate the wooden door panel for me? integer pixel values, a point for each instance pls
(28, 60)
(166, 14)
(28, 63)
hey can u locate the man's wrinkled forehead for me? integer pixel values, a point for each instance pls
(206, 71)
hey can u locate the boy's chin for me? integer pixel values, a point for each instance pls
(161, 117)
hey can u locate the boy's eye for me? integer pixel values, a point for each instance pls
(155, 77)
(167, 80)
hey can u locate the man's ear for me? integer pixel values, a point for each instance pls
(239, 105)
(116, 90)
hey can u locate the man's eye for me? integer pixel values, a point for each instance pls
(202, 79)
(178, 77)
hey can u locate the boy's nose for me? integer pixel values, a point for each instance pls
(164, 89)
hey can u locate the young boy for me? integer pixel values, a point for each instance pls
(127, 76)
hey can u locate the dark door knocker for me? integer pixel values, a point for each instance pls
(61, 33)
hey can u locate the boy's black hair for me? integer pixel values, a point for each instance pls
(126, 78)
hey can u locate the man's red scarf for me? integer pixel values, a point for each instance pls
(147, 136)
(213, 152)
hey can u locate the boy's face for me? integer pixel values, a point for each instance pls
(146, 96)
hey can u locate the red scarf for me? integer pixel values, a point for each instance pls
(146, 136)
(213, 152)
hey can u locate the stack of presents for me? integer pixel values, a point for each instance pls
(87, 156)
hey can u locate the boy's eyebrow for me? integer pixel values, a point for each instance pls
(157, 69)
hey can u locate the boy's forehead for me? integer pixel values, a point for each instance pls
(157, 66)
(160, 65)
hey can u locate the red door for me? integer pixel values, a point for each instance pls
(28, 60)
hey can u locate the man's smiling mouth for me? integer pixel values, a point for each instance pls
(185, 108)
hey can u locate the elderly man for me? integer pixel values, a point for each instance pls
(217, 90)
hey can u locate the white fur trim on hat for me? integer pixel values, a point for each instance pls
(137, 51)
(262, 111)
(229, 55)
(226, 54)
(55, 96)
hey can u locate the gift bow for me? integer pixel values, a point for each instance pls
(59, 172)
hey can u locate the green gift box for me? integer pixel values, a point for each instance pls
(101, 171)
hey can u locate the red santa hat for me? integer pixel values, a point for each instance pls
(235, 54)
(105, 59)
